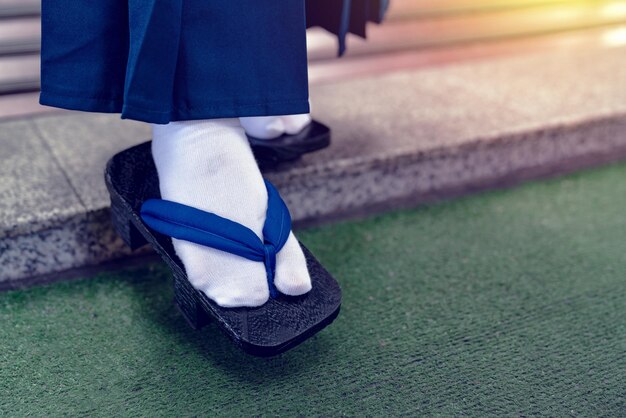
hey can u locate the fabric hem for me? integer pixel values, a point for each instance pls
(140, 113)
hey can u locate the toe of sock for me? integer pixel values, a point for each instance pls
(294, 124)
(296, 287)
(229, 297)
(263, 127)
(292, 274)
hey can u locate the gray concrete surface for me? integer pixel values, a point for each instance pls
(400, 138)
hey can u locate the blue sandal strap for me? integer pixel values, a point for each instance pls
(190, 224)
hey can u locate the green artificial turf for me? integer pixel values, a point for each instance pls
(510, 303)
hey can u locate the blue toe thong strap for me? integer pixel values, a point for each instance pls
(190, 224)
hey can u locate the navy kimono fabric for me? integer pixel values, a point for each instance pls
(166, 60)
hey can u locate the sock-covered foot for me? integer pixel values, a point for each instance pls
(209, 165)
(292, 276)
(263, 127)
(295, 123)
(270, 127)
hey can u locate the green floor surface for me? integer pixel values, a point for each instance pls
(510, 303)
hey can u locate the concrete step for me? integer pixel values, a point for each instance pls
(412, 26)
(19, 73)
(462, 29)
(20, 35)
(23, 104)
(349, 68)
(19, 8)
(398, 139)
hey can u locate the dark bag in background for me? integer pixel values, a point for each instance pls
(341, 17)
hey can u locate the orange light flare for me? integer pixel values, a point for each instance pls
(615, 37)
(614, 10)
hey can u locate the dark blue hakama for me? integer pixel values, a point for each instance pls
(166, 60)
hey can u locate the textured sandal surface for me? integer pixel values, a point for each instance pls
(271, 152)
(278, 325)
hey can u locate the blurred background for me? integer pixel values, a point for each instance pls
(416, 33)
